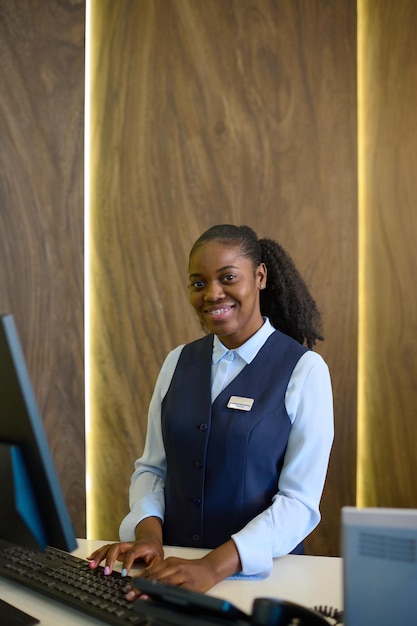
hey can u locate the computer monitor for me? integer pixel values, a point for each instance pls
(33, 512)
(379, 549)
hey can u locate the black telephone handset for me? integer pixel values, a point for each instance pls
(272, 612)
(170, 606)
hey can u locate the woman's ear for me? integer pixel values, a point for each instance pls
(261, 274)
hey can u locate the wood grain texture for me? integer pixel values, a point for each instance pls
(41, 217)
(240, 111)
(389, 382)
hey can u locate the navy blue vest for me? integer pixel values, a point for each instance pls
(223, 464)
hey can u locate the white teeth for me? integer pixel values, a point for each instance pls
(219, 311)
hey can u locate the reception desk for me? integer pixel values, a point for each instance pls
(307, 580)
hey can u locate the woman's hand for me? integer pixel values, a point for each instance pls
(194, 574)
(147, 547)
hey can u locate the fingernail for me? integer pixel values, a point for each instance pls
(131, 595)
(92, 564)
(106, 570)
(124, 572)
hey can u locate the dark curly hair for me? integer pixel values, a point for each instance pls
(286, 299)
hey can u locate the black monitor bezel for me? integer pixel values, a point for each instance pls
(21, 425)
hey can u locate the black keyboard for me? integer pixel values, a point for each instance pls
(69, 580)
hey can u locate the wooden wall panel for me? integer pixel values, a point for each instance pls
(41, 216)
(206, 112)
(388, 384)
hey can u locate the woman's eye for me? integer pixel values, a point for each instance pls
(229, 278)
(197, 284)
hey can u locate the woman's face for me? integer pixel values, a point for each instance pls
(224, 291)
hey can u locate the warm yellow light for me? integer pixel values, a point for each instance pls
(87, 291)
(362, 246)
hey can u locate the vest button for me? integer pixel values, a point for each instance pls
(198, 464)
(196, 537)
(203, 426)
(196, 501)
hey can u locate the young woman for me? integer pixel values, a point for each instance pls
(240, 424)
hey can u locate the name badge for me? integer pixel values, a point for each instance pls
(242, 404)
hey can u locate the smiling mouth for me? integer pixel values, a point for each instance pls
(218, 312)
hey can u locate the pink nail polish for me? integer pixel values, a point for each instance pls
(92, 564)
(106, 570)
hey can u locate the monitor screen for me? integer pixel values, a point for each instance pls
(32, 507)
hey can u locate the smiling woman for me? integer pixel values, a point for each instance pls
(224, 291)
(240, 424)
(229, 262)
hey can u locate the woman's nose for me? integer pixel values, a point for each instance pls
(214, 291)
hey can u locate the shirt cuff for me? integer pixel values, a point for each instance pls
(151, 506)
(254, 547)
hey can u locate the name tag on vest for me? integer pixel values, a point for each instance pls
(242, 404)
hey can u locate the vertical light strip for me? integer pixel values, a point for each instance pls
(87, 275)
(362, 237)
